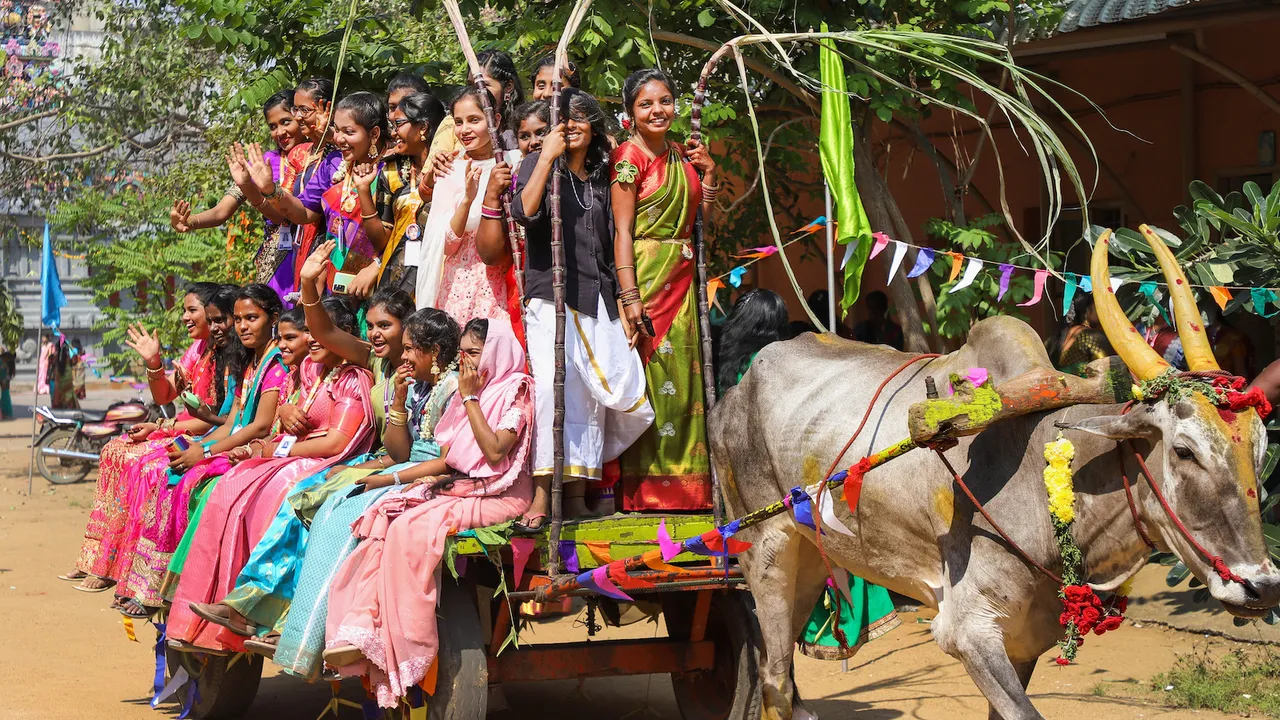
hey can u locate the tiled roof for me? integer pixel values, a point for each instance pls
(1088, 13)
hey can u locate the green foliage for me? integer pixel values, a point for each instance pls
(958, 311)
(10, 318)
(1241, 682)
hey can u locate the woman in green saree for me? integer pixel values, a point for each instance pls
(656, 195)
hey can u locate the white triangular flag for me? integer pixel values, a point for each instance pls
(970, 274)
(1116, 283)
(848, 253)
(827, 509)
(179, 679)
(842, 582)
(899, 252)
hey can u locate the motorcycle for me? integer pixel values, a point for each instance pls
(71, 442)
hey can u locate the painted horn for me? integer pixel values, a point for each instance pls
(1195, 342)
(1144, 362)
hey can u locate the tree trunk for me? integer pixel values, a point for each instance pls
(885, 217)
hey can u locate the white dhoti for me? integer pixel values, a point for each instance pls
(605, 407)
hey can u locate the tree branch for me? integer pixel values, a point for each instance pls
(27, 119)
(680, 39)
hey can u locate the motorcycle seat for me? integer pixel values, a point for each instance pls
(88, 416)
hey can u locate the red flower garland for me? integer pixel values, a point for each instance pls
(1084, 612)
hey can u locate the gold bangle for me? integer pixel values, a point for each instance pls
(153, 372)
(306, 304)
(373, 214)
(626, 267)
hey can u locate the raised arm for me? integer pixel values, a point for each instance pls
(342, 343)
(181, 219)
(535, 189)
(370, 215)
(458, 223)
(494, 445)
(700, 158)
(162, 388)
(492, 244)
(288, 207)
(396, 438)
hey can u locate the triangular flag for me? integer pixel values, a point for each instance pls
(924, 259)
(842, 582)
(956, 261)
(715, 285)
(521, 549)
(1262, 296)
(899, 251)
(849, 249)
(669, 547)
(970, 273)
(1069, 291)
(813, 227)
(882, 241)
(1221, 295)
(599, 581)
(599, 550)
(653, 560)
(1006, 274)
(1116, 282)
(1086, 283)
(826, 508)
(1038, 291)
(759, 252)
(569, 555)
(618, 574)
(735, 276)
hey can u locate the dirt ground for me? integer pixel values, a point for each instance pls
(67, 655)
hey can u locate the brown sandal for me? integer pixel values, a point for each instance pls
(213, 613)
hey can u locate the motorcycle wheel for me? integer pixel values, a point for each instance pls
(62, 471)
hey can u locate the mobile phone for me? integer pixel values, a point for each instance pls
(342, 281)
(182, 443)
(648, 325)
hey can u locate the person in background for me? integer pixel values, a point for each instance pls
(78, 368)
(1162, 338)
(413, 120)
(1231, 347)
(1079, 341)
(758, 318)
(819, 305)
(540, 82)
(503, 81)
(878, 329)
(8, 368)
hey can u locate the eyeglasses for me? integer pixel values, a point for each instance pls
(401, 122)
(302, 112)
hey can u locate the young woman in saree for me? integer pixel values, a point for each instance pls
(264, 587)
(137, 459)
(425, 385)
(277, 242)
(413, 120)
(335, 402)
(451, 275)
(355, 209)
(382, 604)
(656, 196)
(254, 311)
(605, 405)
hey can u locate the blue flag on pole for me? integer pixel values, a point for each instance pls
(51, 298)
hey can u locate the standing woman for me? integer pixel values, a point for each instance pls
(605, 405)
(656, 196)
(336, 411)
(140, 457)
(503, 81)
(452, 277)
(414, 119)
(355, 209)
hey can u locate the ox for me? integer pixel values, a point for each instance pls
(914, 533)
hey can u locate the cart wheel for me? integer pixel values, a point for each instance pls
(225, 686)
(731, 689)
(61, 471)
(462, 687)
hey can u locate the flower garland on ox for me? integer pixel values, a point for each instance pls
(1082, 610)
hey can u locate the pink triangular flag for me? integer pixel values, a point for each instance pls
(882, 241)
(521, 549)
(670, 549)
(1041, 276)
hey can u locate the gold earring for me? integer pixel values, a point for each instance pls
(435, 369)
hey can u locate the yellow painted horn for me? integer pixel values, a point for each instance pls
(1144, 362)
(1195, 341)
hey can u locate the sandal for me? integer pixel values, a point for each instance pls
(131, 608)
(74, 575)
(212, 612)
(186, 647)
(526, 525)
(106, 584)
(265, 646)
(343, 656)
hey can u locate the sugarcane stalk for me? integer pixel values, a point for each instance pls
(495, 137)
(558, 298)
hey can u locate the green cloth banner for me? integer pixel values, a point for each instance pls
(835, 145)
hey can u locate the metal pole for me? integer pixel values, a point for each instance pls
(831, 262)
(35, 400)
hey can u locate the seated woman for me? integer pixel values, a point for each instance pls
(382, 602)
(1079, 341)
(335, 402)
(138, 459)
(421, 392)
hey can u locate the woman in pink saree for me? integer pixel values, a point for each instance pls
(135, 462)
(382, 602)
(334, 398)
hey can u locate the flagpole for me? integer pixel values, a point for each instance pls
(831, 261)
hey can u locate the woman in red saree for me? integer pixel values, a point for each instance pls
(334, 399)
(382, 601)
(134, 462)
(656, 196)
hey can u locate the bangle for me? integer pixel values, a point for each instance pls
(396, 476)
(373, 214)
(630, 296)
(207, 451)
(397, 418)
(490, 213)
(311, 304)
(381, 458)
(274, 194)
(625, 267)
(155, 372)
(469, 398)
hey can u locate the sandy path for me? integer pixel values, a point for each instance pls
(67, 655)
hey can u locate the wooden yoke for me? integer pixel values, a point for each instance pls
(973, 409)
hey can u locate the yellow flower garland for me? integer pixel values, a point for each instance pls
(1057, 479)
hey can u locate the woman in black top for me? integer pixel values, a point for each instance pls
(605, 405)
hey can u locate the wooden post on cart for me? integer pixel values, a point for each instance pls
(557, 294)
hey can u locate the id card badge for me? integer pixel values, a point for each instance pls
(286, 238)
(412, 253)
(286, 444)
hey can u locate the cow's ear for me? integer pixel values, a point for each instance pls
(1134, 424)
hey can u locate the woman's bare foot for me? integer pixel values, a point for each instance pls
(94, 584)
(129, 607)
(223, 615)
(75, 574)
